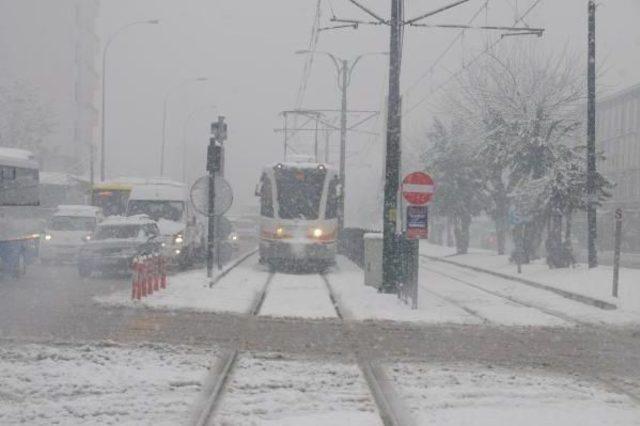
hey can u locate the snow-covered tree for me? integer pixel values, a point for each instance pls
(517, 105)
(452, 163)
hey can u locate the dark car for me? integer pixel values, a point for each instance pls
(116, 242)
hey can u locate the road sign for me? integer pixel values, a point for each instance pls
(516, 217)
(418, 188)
(618, 214)
(200, 196)
(417, 222)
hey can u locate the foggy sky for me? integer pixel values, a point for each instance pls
(246, 48)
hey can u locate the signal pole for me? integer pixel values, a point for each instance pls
(591, 138)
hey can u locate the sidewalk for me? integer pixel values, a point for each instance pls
(579, 282)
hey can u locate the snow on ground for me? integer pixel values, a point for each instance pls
(596, 282)
(503, 311)
(477, 395)
(273, 390)
(298, 295)
(98, 383)
(190, 291)
(361, 302)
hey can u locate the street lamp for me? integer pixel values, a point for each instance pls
(187, 122)
(104, 88)
(344, 71)
(164, 116)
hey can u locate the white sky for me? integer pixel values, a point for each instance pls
(246, 48)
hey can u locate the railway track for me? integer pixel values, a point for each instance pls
(380, 387)
(554, 313)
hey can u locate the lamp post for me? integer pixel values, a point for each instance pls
(104, 89)
(187, 122)
(344, 71)
(164, 116)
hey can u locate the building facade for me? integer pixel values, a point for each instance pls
(51, 48)
(618, 137)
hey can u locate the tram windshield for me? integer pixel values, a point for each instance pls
(299, 192)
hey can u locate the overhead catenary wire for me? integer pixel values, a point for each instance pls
(468, 64)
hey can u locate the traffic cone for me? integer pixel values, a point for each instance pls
(149, 267)
(143, 276)
(134, 278)
(156, 272)
(163, 272)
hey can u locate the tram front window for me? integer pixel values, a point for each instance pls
(299, 192)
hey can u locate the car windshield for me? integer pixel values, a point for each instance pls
(72, 223)
(118, 232)
(156, 210)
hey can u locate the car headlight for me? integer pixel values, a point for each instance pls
(279, 232)
(233, 237)
(178, 239)
(48, 237)
(317, 233)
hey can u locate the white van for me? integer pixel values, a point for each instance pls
(65, 231)
(168, 204)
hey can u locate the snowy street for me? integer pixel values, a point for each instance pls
(288, 322)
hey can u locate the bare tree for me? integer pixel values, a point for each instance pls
(25, 120)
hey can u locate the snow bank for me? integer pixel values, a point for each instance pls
(361, 302)
(477, 395)
(99, 384)
(190, 291)
(279, 391)
(595, 283)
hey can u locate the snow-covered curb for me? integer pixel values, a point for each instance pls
(591, 286)
(191, 291)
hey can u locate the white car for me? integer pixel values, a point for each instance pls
(66, 231)
(168, 204)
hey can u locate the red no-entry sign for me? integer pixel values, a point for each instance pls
(418, 188)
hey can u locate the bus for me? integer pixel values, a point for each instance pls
(20, 216)
(112, 196)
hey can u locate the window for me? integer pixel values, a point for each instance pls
(72, 223)
(299, 192)
(8, 173)
(157, 209)
(266, 196)
(333, 199)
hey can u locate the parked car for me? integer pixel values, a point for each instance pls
(64, 233)
(116, 242)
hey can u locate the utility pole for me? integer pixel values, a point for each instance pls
(343, 142)
(591, 138)
(391, 262)
(392, 166)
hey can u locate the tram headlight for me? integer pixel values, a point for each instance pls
(317, 233)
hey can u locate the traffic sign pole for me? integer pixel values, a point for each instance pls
(616, 252)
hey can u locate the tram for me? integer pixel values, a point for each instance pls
(298, 214)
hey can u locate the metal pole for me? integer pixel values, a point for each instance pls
(392, 166)
(104, 104)
(591, 138)
(211, 223)
(343, 142)
(616, 252)
(164, 132)
(315, 142)
(284, 114)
